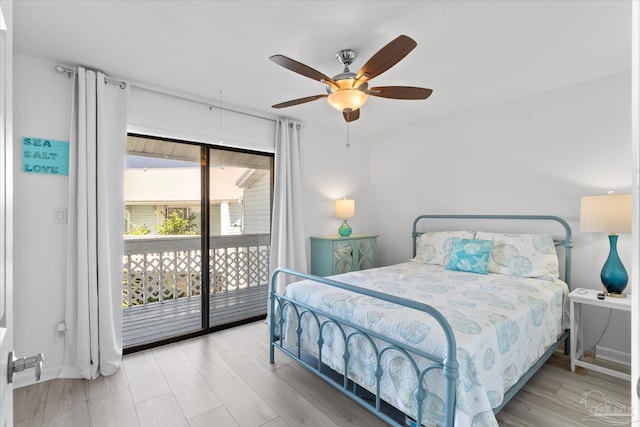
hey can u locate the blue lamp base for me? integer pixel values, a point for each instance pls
(613, 275)
(344, 230)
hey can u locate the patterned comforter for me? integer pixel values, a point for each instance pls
(502, 324)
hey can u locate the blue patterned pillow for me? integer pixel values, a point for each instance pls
(434, 247)
(523, 255)
(470, 255)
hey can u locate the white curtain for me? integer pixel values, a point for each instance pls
(93, 314)
(288, 242)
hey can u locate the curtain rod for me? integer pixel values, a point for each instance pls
(122, 84)
(199, 101)
(70, 71)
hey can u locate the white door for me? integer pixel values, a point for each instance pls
(6, 225)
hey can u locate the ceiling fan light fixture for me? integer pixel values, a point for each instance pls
(347, 91)
(347, 99)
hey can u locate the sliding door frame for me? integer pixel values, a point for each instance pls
(205, 229)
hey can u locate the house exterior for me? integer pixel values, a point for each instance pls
(237, 198)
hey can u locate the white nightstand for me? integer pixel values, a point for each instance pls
(578, 298)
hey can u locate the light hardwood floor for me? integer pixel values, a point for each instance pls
(224, 379)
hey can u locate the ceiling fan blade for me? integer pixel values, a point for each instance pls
(351, 115)
(300, 68)
(386, 58)
(400, 92)
(298, 101)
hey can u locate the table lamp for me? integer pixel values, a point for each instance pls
(611, 214)
(345, 208)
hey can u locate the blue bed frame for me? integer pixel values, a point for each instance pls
(281, 304)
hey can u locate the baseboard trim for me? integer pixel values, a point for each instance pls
(28, 377)
(613, 356)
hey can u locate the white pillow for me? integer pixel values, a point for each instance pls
(522, 255)
(435, 247)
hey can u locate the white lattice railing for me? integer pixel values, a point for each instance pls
(162, 268)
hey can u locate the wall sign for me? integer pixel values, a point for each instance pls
(45, 156)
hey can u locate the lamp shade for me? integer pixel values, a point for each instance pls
(347, 99)
(345, 208)
(609, 213)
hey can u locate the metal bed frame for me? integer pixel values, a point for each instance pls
(448, 365)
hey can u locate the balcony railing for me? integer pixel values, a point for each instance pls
(162, 283)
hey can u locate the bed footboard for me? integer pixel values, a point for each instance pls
(282, 306)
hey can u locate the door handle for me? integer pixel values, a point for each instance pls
(18, 365)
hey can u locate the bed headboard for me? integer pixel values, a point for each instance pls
(566, 242)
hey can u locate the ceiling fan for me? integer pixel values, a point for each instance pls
(348, 91)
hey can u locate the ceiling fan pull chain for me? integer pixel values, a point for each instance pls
(348, 144)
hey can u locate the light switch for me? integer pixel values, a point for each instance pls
(60, 215)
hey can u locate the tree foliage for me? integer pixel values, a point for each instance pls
(139, 230)
(175, 224)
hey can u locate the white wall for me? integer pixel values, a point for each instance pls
(536, 156)
(333, 171)
(42, 109)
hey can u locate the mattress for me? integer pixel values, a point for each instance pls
(502, 325)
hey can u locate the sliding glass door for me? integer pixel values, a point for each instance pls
(197, 223)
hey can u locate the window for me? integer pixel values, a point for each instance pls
(182, 213)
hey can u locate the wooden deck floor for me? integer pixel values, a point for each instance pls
(224, 379)
(148, 323)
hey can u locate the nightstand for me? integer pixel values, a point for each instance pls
(578, 298)
(335, 254)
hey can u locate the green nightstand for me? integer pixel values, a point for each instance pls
(335, 254)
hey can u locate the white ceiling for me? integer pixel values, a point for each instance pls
(473, 54)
